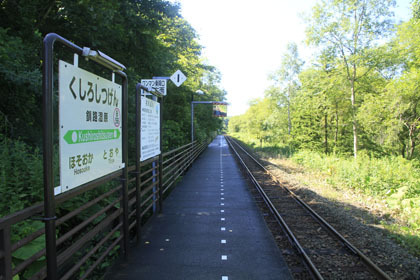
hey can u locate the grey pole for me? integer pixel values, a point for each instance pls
(192, 122)
(49, 198)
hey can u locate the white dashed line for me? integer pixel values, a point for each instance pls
(222, 241)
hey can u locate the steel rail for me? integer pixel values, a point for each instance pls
(371, 266)
(308, 262)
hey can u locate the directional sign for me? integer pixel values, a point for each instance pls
(219, 110)
(156, 85)
(89, 126)
(178, 78)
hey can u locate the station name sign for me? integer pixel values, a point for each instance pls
(89, 126)
(220, 109)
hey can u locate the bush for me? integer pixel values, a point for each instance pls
(381, 177)
(392, 179)
(21, 180)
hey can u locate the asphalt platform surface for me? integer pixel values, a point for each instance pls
(210, 228)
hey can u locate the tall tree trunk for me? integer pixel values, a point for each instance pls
(412, 139)
(353, 113)
(403, 150)
(413, 146)
(408, 147)
(289, 120)
(326, 132)
(336, 125)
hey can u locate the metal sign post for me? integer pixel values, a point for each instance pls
(192, 121)
(149, 116)
(146, 108)
(48, 153)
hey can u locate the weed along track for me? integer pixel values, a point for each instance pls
(325, 253)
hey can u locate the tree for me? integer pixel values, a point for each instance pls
(393, 117)
(351, 28)
(148, 36)
(319, 106)
(286, 80)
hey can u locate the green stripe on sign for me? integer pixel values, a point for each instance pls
(91, 135)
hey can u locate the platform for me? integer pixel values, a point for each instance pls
(210, 228)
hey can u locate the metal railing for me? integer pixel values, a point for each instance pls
(89, 234)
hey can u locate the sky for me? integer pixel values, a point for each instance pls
(246, 39)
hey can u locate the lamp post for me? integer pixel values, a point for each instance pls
(200, 92)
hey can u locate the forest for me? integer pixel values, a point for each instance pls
(149, 37)
(352, 112)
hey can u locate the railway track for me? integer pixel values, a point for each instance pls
(325, 253)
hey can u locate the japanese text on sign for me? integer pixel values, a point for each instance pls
(150, 129)
(89, 125)
(156, 85)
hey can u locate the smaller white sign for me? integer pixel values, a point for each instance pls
(149, 129)
(157, 85)
(178, 78)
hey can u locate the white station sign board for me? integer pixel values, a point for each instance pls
(157, 85)
(149, 128)
(90, 122)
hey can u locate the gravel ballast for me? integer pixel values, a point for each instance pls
(355, 216)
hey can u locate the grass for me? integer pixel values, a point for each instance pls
(393, 180)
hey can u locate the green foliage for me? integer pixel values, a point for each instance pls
(21, 86)
(392, 179)
(174, 135)
(258, 122)
(20, 231)
(379, 177)
(360, 96)
(148, 36)
(348, 30)
(21, 182)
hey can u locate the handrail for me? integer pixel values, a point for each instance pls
(97, 223)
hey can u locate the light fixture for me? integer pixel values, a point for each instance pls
(103, 59)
